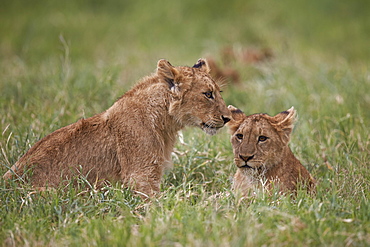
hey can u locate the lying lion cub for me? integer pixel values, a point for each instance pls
(132, 141)
(261, 152)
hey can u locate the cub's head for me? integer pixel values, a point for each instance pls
(259, 140)
(195, 97)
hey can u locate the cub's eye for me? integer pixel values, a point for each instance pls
(239, 136)
(262, 138)
(209, 94)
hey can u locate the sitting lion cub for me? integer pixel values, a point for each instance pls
(261, 152)
(132, 141)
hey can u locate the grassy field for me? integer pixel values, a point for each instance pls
(64, 60)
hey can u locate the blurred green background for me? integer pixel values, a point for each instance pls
(173, 29)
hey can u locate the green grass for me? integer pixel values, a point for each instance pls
(63, 60)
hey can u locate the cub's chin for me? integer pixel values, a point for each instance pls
(210, 129)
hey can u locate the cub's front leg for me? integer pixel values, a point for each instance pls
(144, 179)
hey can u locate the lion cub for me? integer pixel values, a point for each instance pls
(132, 141)
(261, 152)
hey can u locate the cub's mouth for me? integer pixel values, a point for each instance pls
(246, 166)
(211, 128)
(243, 161)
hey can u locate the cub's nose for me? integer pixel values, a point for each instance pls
(225, 119)
(246, 158)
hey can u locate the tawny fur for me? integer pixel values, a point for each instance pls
(262, 155)
(132, 141)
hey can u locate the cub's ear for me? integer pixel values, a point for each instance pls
(202, 65)
(284, 123)
(167, 72)
(238, 117)
(236, 113)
